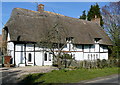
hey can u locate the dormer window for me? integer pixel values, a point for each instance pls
(69, 39)
(97, 40)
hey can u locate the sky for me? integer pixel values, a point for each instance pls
(71, 9)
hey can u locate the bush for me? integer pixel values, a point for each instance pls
(118, 63)
(66, 56)
(99, 63)
(104, 63)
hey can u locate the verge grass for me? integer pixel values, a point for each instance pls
(68, 76)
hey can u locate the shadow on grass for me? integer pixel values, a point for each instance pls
(30, 79)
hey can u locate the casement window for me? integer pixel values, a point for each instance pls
(45, 56)
(96, 56)
(105, 49)
(97, 40)
(86, 48)
(29, 57)
(50, 56)
(92, 48)
(69, 39)
(88, 56)
(91, 56)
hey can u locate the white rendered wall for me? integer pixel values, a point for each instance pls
(103, 56)
(78, 56)
(97, 47)
(38, 58)
(88, 53)
(20, 57)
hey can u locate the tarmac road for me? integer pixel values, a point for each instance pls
(108, 80)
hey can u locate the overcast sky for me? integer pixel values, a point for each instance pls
(71, 9)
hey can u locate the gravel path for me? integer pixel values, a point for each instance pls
(13, 75)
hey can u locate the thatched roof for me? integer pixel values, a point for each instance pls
(35, 26)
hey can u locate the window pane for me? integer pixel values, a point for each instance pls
(45, 56)
(49, 57)
(29, 57)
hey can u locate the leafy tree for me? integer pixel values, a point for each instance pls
(83, 16)
(111, 17)
(94, 10)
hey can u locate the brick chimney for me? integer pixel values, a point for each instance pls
(96, 20)
(40, 7)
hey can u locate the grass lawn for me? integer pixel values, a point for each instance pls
(68, 76)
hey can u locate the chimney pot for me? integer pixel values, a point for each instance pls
(40, 7)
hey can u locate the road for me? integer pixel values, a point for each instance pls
(108, 80)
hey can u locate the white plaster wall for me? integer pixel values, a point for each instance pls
(39, 58)
(19, 55)
(8, 39)
(39, 55)
(103, 56)
(19, 47)
(29, 47)
(96, 47)
(101, 49)
(78, 55)
(10, 46)
(17, 58)
(10, 49)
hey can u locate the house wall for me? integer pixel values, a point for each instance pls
(79, 52)
(20, 54)
(88, 53)
(23, 50)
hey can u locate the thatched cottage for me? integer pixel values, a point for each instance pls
(84, 40)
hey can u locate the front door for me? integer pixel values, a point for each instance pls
(47, 58)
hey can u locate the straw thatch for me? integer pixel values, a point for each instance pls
(33, 26)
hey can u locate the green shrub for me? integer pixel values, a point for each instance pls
(104, 63)
(99, 63)
(66, 56)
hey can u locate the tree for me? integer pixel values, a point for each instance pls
(94, 11)
(52, 40)
(83, 16)
(111, 17)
